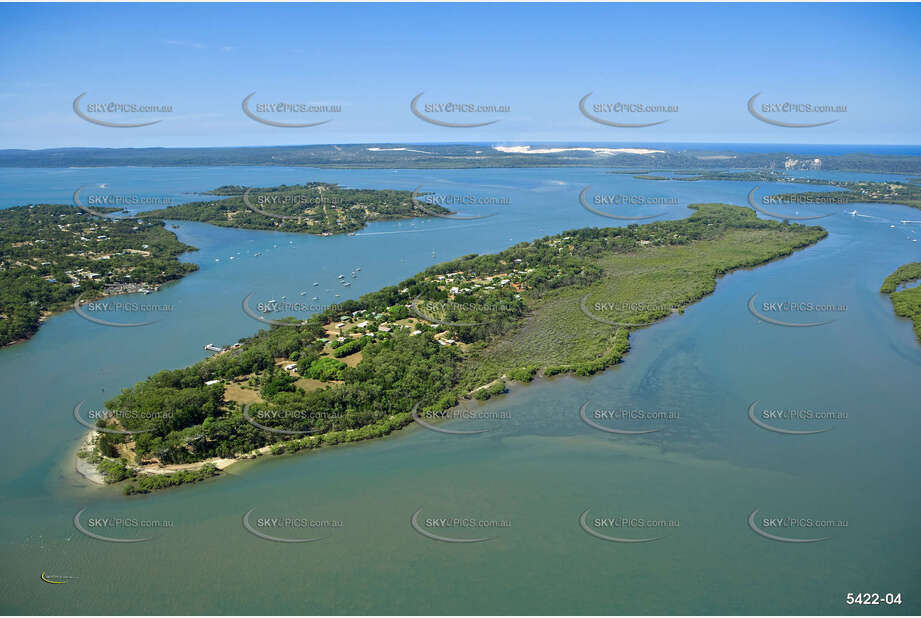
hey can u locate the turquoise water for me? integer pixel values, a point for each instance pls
(538, 470)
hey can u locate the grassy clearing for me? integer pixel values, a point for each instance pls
(637, 288)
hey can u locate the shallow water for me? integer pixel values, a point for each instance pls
(539, 470)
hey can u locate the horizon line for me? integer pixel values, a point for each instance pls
(471, 143)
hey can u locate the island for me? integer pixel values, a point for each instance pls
(906, 303)
(312, 208)
(52, 255)
(888, 192)
(460, 330)
(737, 176)
(858, 191)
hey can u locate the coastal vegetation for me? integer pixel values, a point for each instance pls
(741, 176)
(313, 208)
(147, 483)
(115, 469)
(51, 255)
(862, 192)
(459, 330)
(906, 303)
(447, 156)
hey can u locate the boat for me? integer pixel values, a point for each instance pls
(316, 283)
(316, 298)
(303, 293)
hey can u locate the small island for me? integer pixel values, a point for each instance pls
(906, 303)
(51, 255)
(862, 191)
(740, 176)
(457, 331)
(312, 208)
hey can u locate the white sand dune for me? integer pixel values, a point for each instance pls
(603, 151)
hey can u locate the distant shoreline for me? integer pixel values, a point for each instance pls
(886, 159)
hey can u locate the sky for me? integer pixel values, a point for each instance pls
(535, 61)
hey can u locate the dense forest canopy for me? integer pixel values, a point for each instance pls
(314, 208)
(50, 255)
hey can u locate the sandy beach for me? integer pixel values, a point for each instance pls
(85, 468)
(605, 151)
